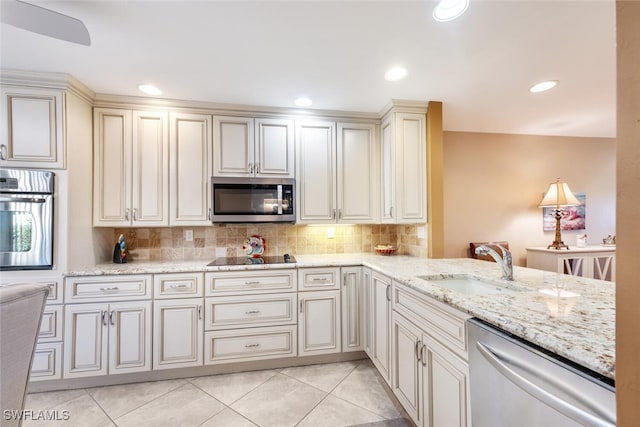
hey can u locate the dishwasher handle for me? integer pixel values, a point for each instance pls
(571, 411)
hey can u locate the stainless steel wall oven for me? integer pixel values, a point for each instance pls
(26, 219)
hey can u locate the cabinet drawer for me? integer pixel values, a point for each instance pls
(55, 285)
(260, 281)
(51, 324)
(240, 345)
(47, 362)
(250, 311)
(107, 288)
(444, 323)
(315, 279)
(179, 285)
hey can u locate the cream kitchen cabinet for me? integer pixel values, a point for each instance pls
(107, 325)
(367, 293)
(379, 323)
(247, 147)
(250, 315)
(403, 168)
(107, 338)
(131, 168)
(352, 309)
(33, 133)
(191, 158)
(430, 372)
(319, 323)
(178, 333)
(337, 172)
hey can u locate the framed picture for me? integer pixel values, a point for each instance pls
(573, 219)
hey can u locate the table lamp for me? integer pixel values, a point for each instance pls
(558, 197)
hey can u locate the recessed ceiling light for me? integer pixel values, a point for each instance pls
(448, 10)
(542, 86)
(303, 101)
(150, 89)
(395, 74)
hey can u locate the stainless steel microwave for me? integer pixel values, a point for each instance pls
(253, 200)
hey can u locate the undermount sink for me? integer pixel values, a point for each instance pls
(470, 285)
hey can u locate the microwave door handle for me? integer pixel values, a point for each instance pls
(279, 199)
(22, 199)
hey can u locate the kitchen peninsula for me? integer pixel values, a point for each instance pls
(570, 316)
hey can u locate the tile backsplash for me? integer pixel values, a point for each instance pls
(170, 244)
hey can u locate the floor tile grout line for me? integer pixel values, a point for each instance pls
(384, 384)
(140, 406)
(229, 405)
(58, 404)
(101, 407)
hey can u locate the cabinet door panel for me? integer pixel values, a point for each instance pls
(32, 121)
(381, 324)
(150, 169)
(357, 173)
(233, 140)
(191, 159)
(275, 148)
(86, 336)
(319, 323)
(315, 145)
(178, 330)
(352, 309)
(387, 185)
(112, 167)
(406, 345)
(47, 362)
(411, 152)
(130, 337)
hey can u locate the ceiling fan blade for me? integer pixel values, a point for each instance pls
(44, 21)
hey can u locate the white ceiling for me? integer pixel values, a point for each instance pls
(268, 53)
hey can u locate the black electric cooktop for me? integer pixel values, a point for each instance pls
(283, 259)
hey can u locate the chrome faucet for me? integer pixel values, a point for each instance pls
(505, 261)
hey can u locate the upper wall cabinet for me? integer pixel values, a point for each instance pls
(32, 128)
(247, 147)
(337, 176)
(191, 148)
(131, 164)
(403, 167)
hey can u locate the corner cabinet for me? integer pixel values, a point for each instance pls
(337, 172)
(379, 324)
(403, 168)
(190, 147)
(33, 122)
(131, 165)
(247, 147)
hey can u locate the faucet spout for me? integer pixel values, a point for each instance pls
(505, 261)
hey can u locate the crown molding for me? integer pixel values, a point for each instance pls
(404, 106)
(37, 79)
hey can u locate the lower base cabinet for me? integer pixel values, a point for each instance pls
(243, 345)
(178, 333)
(47, 362)
(430, 381)
(379, 324)
(107, 338)
(319, 323)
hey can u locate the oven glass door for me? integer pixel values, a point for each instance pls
(26, 231)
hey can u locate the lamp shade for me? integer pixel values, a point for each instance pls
(558, 194)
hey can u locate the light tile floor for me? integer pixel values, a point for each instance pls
(333, 394)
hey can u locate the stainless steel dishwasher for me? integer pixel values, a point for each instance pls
(515, 383)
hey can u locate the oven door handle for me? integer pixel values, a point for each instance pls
(23, 199)
(501, 361)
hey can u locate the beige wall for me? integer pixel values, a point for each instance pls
(628, 168)
(494, 182)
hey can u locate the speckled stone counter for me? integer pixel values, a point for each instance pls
(570, 316)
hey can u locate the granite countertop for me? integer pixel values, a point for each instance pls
(571, 316)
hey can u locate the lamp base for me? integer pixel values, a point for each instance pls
(557, 245)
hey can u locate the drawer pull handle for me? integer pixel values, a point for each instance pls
(109, 289)
(179, 286)
(319, 279)
(252, 283)
(252, 345)
(252, 312)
